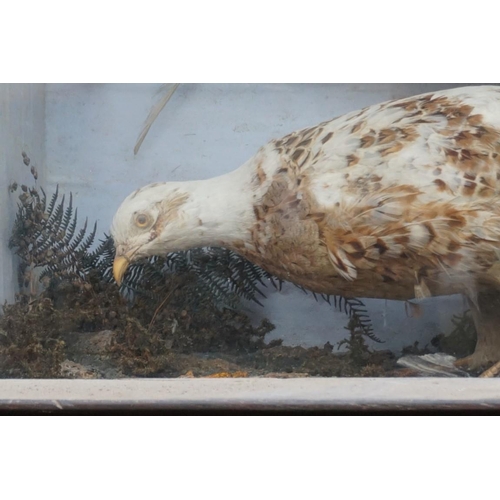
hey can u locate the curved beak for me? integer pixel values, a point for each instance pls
(120, 265)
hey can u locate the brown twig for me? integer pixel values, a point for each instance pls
(160, 306)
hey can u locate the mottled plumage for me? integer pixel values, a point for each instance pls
(398, 200)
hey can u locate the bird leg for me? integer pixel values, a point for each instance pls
(491, 372)
(486, 315)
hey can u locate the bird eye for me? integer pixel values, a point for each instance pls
(141, 220)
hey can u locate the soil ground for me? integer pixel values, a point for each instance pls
(90, 331)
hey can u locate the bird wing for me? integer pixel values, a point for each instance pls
(406, 190)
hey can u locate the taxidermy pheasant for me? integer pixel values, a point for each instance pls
(400, 200)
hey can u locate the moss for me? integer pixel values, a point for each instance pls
(29, 342)
(90, 326)
(37, 335)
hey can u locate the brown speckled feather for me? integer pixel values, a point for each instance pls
(397, 200)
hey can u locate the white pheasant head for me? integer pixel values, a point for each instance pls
(161, 218)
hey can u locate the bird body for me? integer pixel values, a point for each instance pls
(398, 200)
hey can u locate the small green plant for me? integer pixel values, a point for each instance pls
(461, 341)
(355, 344)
